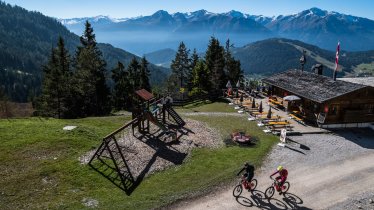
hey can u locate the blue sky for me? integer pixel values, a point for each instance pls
(126, 8)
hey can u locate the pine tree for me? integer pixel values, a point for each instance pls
(200, 75)
(144, 74)
(90, 85)
(122, 87)
(56, 88)
(233, 67)
(134, 74)
(215, 61)
(194, 60)
(48, 102)
(180, 66)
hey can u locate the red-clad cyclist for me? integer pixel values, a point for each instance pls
(283, 173)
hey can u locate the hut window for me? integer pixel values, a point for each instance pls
(333, 110)
(370, 108)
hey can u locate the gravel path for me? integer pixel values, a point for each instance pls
(213, 114)
(326, 171)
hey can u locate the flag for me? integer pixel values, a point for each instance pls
(337, 57)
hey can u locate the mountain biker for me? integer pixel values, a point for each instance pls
(283, 173)
(249, 171)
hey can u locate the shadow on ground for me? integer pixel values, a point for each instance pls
(363, 137)
(257, 198)
(110, 162)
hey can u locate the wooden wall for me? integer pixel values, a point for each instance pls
(353, 107)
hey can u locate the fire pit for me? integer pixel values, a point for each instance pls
(240, 138)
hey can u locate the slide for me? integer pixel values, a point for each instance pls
(176, 116)
(153, 119)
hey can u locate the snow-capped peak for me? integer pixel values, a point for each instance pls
(235, 14)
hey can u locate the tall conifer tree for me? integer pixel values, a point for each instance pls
(181, 66)
(122, 87)
(56, 88)
(144, 74)
(134, 74)
(194, 60)
(233, 67)
(200, 77)
(91, 87)
(215, 61)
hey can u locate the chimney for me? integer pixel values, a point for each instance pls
(318, 69)
(334, 75)
(303, 60)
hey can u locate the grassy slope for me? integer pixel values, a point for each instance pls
(364, 69)
(206, 106)
(35, 149)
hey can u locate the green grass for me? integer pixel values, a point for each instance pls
(35, 149)
(207, 106)
(364, 69)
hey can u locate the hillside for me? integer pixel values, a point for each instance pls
(161, 57)
(26, 39)
(275, 55)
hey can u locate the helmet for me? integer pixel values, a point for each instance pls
(279, 168)
(246, 164)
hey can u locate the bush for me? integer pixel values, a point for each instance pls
(197, 91)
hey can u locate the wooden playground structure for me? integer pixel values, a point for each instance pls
(110, 158)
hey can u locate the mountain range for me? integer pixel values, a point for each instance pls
(26, 39)
(161, 30)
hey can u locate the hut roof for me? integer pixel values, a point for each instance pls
(144, 94)
(312, 86)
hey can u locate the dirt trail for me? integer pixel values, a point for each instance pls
(317, 180)
(318, 190)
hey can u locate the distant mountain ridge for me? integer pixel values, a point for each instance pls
(163, 30)
(315, 26)
(325, 29)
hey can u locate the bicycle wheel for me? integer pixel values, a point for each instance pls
(286, 186)
(269, 192)
(253, 184)
(237, 190)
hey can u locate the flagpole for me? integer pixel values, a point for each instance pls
(336, 61)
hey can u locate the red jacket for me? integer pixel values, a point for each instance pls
(282, 173)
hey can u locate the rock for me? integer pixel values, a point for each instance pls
(371, 201)
(89, 202)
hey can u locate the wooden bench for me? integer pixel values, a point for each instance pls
(297, 119)
(279, 123)
(273, 118)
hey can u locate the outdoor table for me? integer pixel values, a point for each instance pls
(279, 123)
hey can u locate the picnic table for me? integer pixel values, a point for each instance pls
(256, 113)
(279, 123)
(295, 117)
(276, 103)
(273, 118)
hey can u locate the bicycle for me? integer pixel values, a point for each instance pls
(270, 190)
(243, 183)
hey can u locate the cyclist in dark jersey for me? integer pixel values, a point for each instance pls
(249, 171)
